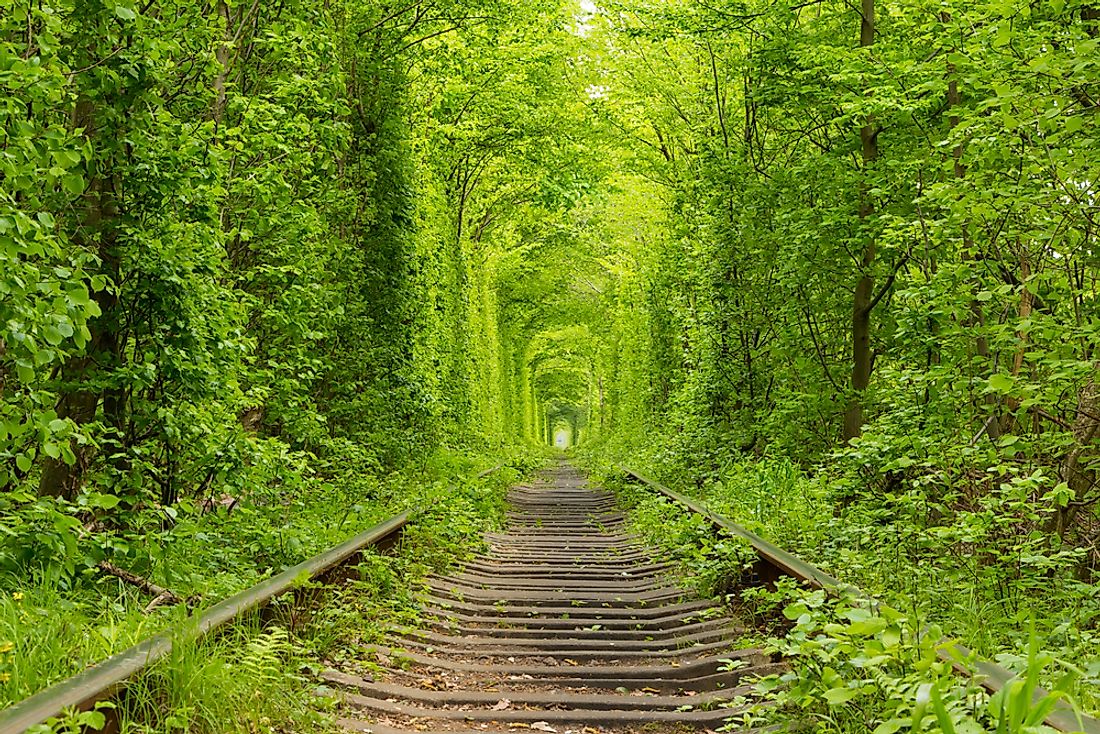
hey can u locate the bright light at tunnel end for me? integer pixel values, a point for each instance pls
(562, 439)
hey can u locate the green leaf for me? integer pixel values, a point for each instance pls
(891, 726)
(102, 501)
(52, 335)
(25, 371)
(73, 183)
(23, 462)
(867, 626)
(79, 297)
(837, 696)
(1001, 383)
(93, 719)
(943, 716)
(794, 611)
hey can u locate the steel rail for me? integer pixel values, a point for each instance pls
(104, 680)
(487, 472)
(778, 562)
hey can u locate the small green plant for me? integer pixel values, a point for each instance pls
(75, 722)
(857, 668)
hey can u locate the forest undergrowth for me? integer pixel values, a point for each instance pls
(61, 628)
(865, 669)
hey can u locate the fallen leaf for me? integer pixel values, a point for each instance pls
(571, 662)
(502, 704)
(543, 726)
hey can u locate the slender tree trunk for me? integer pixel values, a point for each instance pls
(80, 398)
(1074, 471)
(992, 425)
(221, 55)
(862, 298)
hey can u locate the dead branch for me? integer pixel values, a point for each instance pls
(161, 596)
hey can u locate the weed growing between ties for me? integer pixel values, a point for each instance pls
(384, 594)
(713, 564)
(261, 679)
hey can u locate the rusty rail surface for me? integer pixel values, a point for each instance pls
(775, 562)
(104, 680)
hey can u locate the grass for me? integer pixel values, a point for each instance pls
(251, 677)
(53, 632)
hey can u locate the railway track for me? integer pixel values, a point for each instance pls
(566, 624)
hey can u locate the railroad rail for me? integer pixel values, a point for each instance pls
(774, 562)
(105, 680)
(567, 620)
(566, 623)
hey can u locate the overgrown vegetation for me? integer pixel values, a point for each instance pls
(246, 311)
(830, 268)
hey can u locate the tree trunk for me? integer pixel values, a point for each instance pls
(1027, 300)
(221, 56)
(1080, 480)
(80, 398)
(862, 298)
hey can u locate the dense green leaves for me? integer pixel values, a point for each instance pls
(251, 250)
(256, 256)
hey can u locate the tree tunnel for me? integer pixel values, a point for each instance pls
(560, 373)
(566, 425)
(554, 328)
